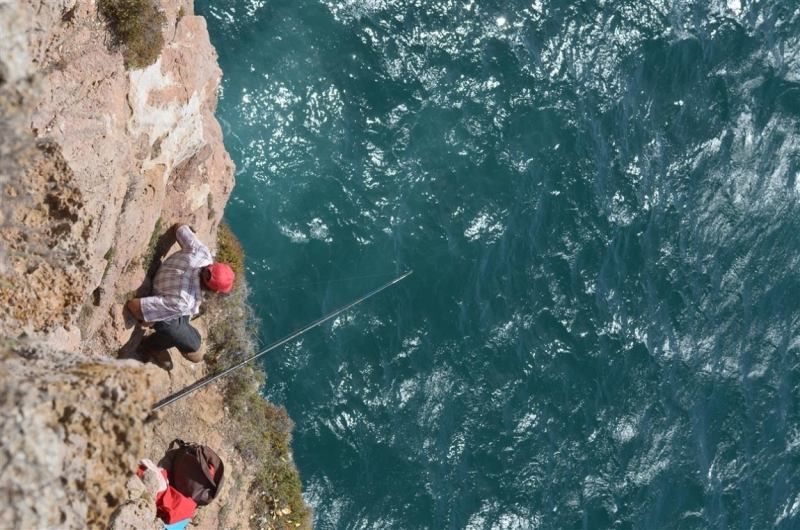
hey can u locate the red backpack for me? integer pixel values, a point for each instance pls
(194, 470)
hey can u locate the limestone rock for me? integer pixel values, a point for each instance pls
(71, 430)
(139, 512)
(135, 488)
(136, 515)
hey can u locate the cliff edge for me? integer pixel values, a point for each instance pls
(96, 162)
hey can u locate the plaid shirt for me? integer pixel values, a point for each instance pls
(176, 287)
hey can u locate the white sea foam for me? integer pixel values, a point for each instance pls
(492, 516)
(789, 511)
(625, 430)
(486, 227)
(594, 487)
(319, 230)
(252, 7)
(456, 447)
(354, 9)
(296, 235)
(316, 493)
(528, 422)
(408, 389)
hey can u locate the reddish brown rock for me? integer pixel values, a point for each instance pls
(91, 157)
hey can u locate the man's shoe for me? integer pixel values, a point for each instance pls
(160, 358)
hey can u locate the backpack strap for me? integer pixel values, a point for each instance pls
(178, 442)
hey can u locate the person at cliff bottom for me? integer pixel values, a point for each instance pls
(176, 296)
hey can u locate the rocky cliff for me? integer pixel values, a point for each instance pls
(115, 152)
(96, 161)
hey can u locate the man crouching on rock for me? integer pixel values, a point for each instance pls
(176, 296)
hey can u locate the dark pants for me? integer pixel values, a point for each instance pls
(175, 333)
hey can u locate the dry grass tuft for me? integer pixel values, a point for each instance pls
(229, 250)
(137, 24)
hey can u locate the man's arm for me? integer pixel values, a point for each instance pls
(158, 308)
(135, 307)
(185, 238)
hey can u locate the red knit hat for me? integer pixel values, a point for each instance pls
(221, 277)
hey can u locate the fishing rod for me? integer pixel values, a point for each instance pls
(206, 380)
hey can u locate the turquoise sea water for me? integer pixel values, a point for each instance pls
(600, 203)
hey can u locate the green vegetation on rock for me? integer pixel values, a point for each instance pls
(137, 24)
(229, 250)
(109, 257)
(157, 248)
(263, 430)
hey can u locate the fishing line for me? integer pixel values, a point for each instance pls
(328, 281)
(206, 380)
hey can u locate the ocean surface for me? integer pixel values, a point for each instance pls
(600, 204)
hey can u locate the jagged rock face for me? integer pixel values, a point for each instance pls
(139, 512)
(71, 430)
(128, 147)
(91, 156)
(46, 272)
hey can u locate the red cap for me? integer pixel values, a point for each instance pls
(221, 279)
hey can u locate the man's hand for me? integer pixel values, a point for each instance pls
(135, 307)
(175, 228)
